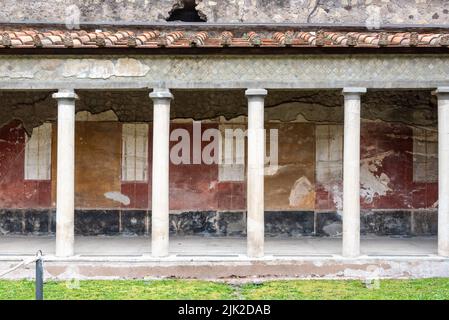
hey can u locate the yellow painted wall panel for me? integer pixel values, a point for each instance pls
(292, 186)
(97, 164)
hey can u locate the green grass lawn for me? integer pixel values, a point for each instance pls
(423, 289)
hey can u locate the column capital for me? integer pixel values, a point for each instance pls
(441, 91)
(65, 94)
(353, 91)
(256, 93)
(161, 94)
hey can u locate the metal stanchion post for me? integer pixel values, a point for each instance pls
(39, 277)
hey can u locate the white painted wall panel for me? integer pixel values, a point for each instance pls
(38, 153)
(329, 153)
(135, 152)
(232, 165)
(425, 155)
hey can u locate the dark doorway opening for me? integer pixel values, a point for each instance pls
(186, 12)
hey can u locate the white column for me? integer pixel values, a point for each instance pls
(256, 159)
(351, 172)
(443, 171)
(65, 183)
(160, 187)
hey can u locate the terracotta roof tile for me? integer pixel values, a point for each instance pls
(141, 38)
(226, 38)
(199, 39)
(284, 38)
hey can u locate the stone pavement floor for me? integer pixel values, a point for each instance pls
(219, 246)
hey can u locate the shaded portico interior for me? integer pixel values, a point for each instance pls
(303, 198)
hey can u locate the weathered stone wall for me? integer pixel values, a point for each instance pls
(373, 12)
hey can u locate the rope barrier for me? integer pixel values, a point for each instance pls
(22, 264)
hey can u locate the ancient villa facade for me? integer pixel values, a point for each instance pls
(362, 119)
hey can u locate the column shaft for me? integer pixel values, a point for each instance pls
(443, 171)
(65, 185)
(256, 159)
(351, 172)
(160, 183)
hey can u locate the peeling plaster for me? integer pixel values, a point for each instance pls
(109, 115)
(118, 197)
(302, 193)
(411, 107)
(103, 69)
(34, 108)
(337, 197)
(372, 182)
(16, 71)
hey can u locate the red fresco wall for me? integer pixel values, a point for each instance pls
(391, 146)
(327, 199)
(231, 196)
(137, 192)
(386, 154)
(193, 187)
(386, 172)
(386, 149)
(15, 192)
